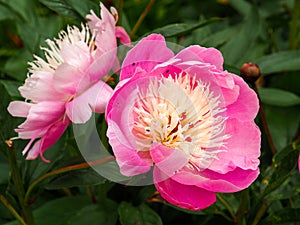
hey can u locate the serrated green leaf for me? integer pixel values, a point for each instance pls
(142, 215)
(179, 29)
(85, 177)
(279, 62)
(277, 97)
(282, 217)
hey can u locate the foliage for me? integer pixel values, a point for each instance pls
(263, 32)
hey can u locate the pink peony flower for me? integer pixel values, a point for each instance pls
(186, 117)
(67, 87)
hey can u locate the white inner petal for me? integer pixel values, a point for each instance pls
(180, 113)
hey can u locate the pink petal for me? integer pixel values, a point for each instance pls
(123, 36)
(92, 100)
(102, 65)
(53, 133)
(168, 160)
(209, 180)
(19, 108)
(68, 79)
(202, 54)
(232, 181)
(39, 87)
(242, 148)
(76, 54)
(185, 196)
(245, 108)
(41, 115)
(104, 29)
(130, 162)
(147, 53)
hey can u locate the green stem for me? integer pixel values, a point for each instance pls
(18, 184)
(226, 204)
(243, 206)
(260, 213)
(294, 26)
(12, 210)
(265, 123)
(64, 170)
(141, 18)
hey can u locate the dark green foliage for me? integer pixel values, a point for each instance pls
(256, 31)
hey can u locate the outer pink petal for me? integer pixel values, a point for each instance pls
(242, 148)
(245, 108)
(123, 36)
(148, 52)
(130, 162)
(185, 196)
(19, 108)
(53, 133)
(41, 115)
(232, 181)
(168, 160)
(202, 54)
(92, 100)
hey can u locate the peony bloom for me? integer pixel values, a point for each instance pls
(66, 87)
(186, 117)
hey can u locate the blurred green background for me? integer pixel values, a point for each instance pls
(265, 32)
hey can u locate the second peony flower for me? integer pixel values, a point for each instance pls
(187, 118)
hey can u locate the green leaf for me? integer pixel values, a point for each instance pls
(61, 7)
(142, 215)
(242, 6)
(5, 13)
(235, 49)
(11, 87)
(8, 123)
(179, 29)
(58, 211)
(25, 10)
(83, 7)
(84, 177)
(104, 213)
(279, 62)
(283, 123)
(284, 163)
(277, 97)
(282, 217)
(16, 66)
(4, 172)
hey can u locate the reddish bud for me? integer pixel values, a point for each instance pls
(250, 72)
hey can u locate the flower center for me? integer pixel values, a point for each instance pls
(180, 113)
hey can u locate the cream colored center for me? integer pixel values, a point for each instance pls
(180, 113)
